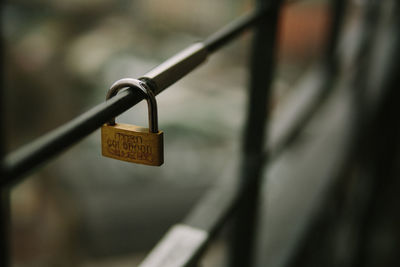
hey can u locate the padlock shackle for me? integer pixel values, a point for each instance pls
(147, 93)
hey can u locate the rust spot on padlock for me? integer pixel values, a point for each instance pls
(130, 142)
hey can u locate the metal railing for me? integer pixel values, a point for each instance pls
(203, 223)
(16, 165)
(185, 243)
(200, 227)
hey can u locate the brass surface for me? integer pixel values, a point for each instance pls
(133, 144)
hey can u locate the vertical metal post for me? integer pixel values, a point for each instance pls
(4, 192)
(261, 74)
(4, 228)
(337, 13)
(4, 213)
(378, 151)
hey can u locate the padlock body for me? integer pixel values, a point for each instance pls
(132, 143)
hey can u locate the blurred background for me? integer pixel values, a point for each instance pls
(61, 56)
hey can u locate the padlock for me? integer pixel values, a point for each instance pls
(130, 142)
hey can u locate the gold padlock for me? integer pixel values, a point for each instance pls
(130, 142)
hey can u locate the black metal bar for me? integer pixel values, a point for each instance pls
(261, 74)
(337, 13)
(4, 198)
(5, 227)
(32, 155)
(380, 155)
(376, 102)
(230, 31)
(28, 157)
(4, 192)
(176, 67)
